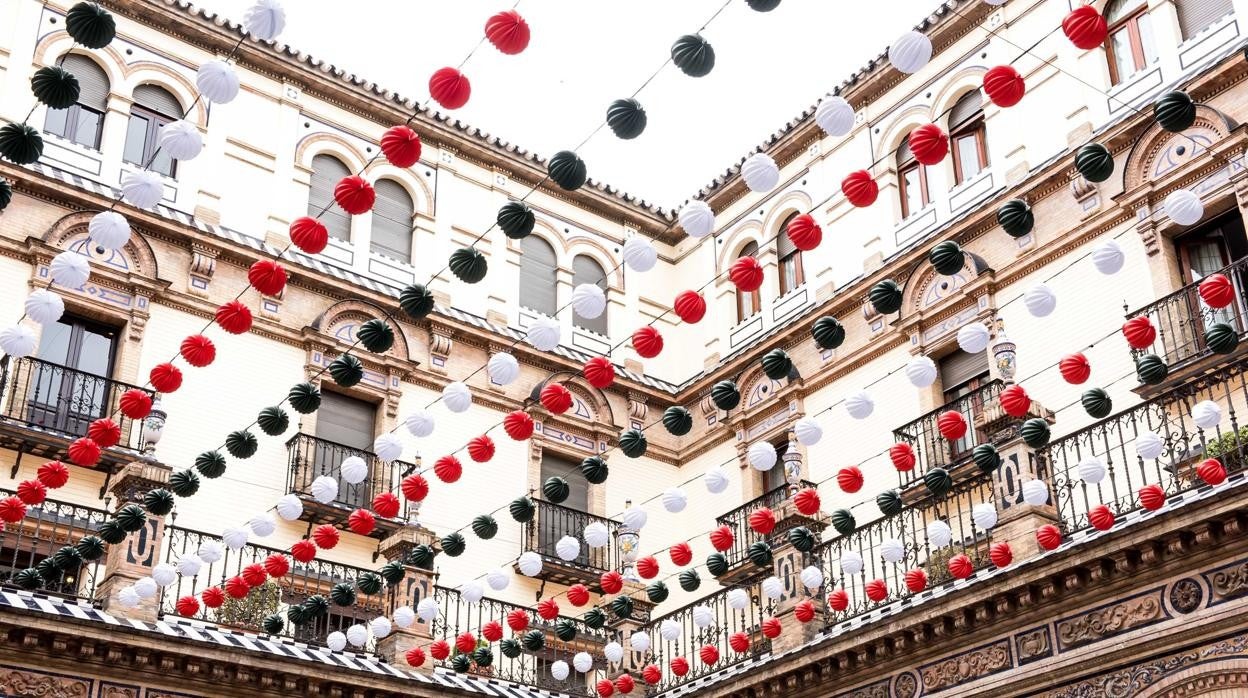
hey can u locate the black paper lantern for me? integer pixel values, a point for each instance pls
(299, 615)
(986, 457)
(158, 502)
(112, 532)
(274, 624)
(316, 605)
(370, 583)
(595, 619)
(90, 547)
(1016, 218)
(422, 556)
(622, 606)
(885, 297)
(595, 470)
(1094, 162)
(626, 118)
(693, 55)
(305, 398)
(20, 144)
(184, 483)
(516, 220)
(828, 332)
(55, 87)
(567, 169)
(1175, 111)
(453, 544)
(510, 648)
(657, 591)
(461, 663)
(1150, 369)
(468, 265)
(1221, 338)
(889, 502)
(763, 5)
(802, 539)
(938, 481)
(483, 656)
(28, 579)
(484, 526)
(633, 443)
(760, 553)
(1035, 432)
(392, 572)
(6, 194)
(273, 421)
(947, 257)
(346, 370)
(90, 25)
(47, 570)
(717, 564)
(522, 509)
(556, 489)
(725, 395)
(677, 420)
(131, 518)
(689, 580)
(210, 464)
(241, 444)
(843, 521)
(416, 300)
(342, 594)
(1096, 402)
(66, 558)
(533, 640)
(376, 336)
(777, 364)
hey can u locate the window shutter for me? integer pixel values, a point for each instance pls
(556, 465)
(392, 221)
(1116, 10)
(960, 367)
(1197, 15)
(586, 271)
(537, 275)
(92, 81)
(347, 421)
(784, 245)
(966, 109)
(158, 100)
(904, 154)
(327, 171)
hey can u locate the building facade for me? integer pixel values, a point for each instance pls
(1151, 604)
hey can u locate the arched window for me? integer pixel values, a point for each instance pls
(327, 171)
(791, 273)
(1131, 47)
(537, 275)
(83, 123)
(586, 271)
(966, 130)
(911, 181)
(1197, 15)
(748, 303)
(153, 108)
(392, 221)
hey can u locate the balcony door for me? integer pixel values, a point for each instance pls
(345, 427)
(68, 386)
(961, 375)
(570, 520)
(1208, 250)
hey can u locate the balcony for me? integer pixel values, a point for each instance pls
(310, 458)
(44, 406)
(552, 522)
(47, 527)
(727, 621)
(931, 450)
(739, 567)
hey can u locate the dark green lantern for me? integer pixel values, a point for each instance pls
(55, 87)
(725, 395)
(626, 118)
(760, 553)
(565, 628)
(370, 583)
(689, 580)
(1221, 338)
(184, 483)
(392, 572)
(1016, 218)
(1175, 111)
(273, 421)
(777, 364)
(90, 548)
(595, 619)
(885, 297)
(453, 544)
(342, 594)
(510, 647)
(522, 509)
(633, 443)
(346, 370)
(90, 25)
(6, 194)
(595, 470)
(802, 538)
(622, 606)
(516, 220)
(158, 502)
(47, 570)
(693, 55)
(422, 556)
(67, 558)
(828, 332)
(843, 521)
(131, 518)
(947, 258)
(112, 532)
(461, 663)
(468, 265)
(556, 489)
(483, 656)
(657, 591)
(241, 444)
(889, 502)
(20, 144)
(1150, 369)
(717, 564)
(938, 481)
(533, 640)
(1097, 403)
(484, 526)
(986, 457)
(677, 420)
(416, 300)
(1035, 432)
(568, 170)
(274, 624)
(305, 398)
(1094, 162)
(317, 605)
(210, 464)
(299, 615)
(28, 579)
(376, 336)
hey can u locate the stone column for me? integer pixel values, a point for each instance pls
(417, 584)
(639, 621)
(788, 563)
(134, 558)
(1017, 520)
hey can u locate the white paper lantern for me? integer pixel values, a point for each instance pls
(1040, 300)
(772, 588)
(851, 562)
(353, 469)
(1091, 470)
(265, 20)
(640, 642)
(807, 431)
(910, 52)
(675, 500)
(1108, 257)
(760, 173)
(234, 538)
(985, 515)
(336, 641)
(835, 116)
(262, 525)
(702, 616)
(812, 577)
(388, 447)
(761, 456)
(860, 405)
(669, 630)
(457, 397)
(973, 337)
(544, 333)
(128, 597)
(324, 489)
(70, 270)
(995, 3)
(503, 368)
(1149, 445)
(1206, 414)
(530, 563)
(380, 626)
(18, 341)
(613, 651)
(715, 479)
(892, 550)
(189, 565)
(738, 599)
(697, 218)
(498, 579)
(211, 551)
(181, 140)
(404, 616)
(588, 300)
(290, 507)
(582, 662)
(471, 591)
(145, 587)
(939, 534)
(635, 517)
(357, 635)
(1035, 492)
(559, 670)
(568, 548)
(142, 188)
(420, 423)
(427, 609)
(1184, 207)
(109, 230)
(921, 371)
(639, 254)
(217, 82)
(164, 574)
(596, 534)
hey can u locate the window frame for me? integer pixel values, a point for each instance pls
(553, 275)
(974, 128)
(924, 195)
(1130, 24)
(72, 123)
(756, 299)
(398, 255)
(600, 325)
(151, 140)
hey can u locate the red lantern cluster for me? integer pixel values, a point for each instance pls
(746, 274)
(401, 146)
(1004, 86)
(1085, 27)
(1015, 401)
(309, 234)
(267, 277)
(1139, 332)
(481, 448)
(804, 232)
(234, 317)
(449, 88)
(555, 398)
(448, 469)
(198, 350)
(518, 425)
(681, 554)
(849, 479)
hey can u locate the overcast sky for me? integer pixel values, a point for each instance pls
(586, 53)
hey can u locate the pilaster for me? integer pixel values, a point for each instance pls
(134, 558)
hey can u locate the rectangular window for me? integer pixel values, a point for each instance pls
(345, 427)
(142, 146)
(969, 154)
(71, 390)
(556, 465)
(913, 189)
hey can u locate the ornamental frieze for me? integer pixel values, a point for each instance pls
(1033, 644)
(20, 682)
(1133, 680)
(1107, 621)
(968, 666)
(1228, 582)
(879, 689)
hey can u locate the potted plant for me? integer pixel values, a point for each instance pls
(248, 613)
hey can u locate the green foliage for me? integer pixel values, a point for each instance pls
(1228, 444)
(251, 610)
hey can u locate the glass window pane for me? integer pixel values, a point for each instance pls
(136, 140)
(913, 191)
(95, 353)
(162, 163)
(1145, 23)
(968, 157)
(1124, 61)
(56, 122)
(87, 131)
(788, 273)
(54, 342)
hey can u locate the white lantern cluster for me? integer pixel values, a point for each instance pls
(851, 562)
(388, 447)
(265, 20)
(457, 397)
(910, 52)
(529, 563)
(939, 534)
(109, 229)
(544, 333)
(715, 479)
(760, 173)
(588, 300)
(807, 431)
(503, 368)
(892, 550)
(1206, 414)
(973, 337)
(472, 591)
(353, 470)
(860, 405)
(324, 489)
(835, 116)
(1040, 300)
(18, 341)
(772, 588)
(596, 534)
(761, 456)
(639, 254)
(921, 371)
(812, 577)
(420, 423)
(697, 218)
(675, 500)
(568, 548)
(613, 651)
(702, 616)
(1108, 257)
(1149, 445)
(1184, 207)
(634, 517)
(70, 270)
(211, 551)
(289, 507)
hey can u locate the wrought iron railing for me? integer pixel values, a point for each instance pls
(311, 457)
(33, 541)
(739, 521)
(275, 596)
(553, 521)
(1113, 442)
(932, 450)
(63, 401)
(1181, 318)
(726, 621)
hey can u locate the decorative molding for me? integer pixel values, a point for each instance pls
(1033, 644)
(967, 666)
(1228, 582)
(1186, 595)
(1135, 679)
(1110, 620)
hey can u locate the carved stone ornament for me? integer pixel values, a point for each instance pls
(1034, 644)
(1186, 595)
(29, 683)
(1232, 582)
(1133, 681)
(1107, 622)
(905, 685)
(878, 689)
(967, 666)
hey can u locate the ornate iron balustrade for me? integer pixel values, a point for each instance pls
(931, 450)
(739, 521)
(311, 457)
(1181, 319)
(457, 616)
(553, 521)
(1113, 442)
(275, 596)
(47, 528)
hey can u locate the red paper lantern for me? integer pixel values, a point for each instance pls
(1004, 86)
(722, 538)
(746, 274)
(187, 606)
(960, 566)
(386, 505)
(401, 146)
(135, 403)
(267, 277)
(1000, 554)
(838, 600)
(804, 611)
(807, 501)
(303, 551)
(1211, 471)
(32, 492)
(362, 522)
(1139, 332)
(84, 452)
(1085, 27)
(1152, 497)
(165, 377)
(860, 189)
(605, 688)
(449, 88)
(465, 642)
(556, 398)
(1075, 368)
(1216, 291)
(929, 144)
(518, 425)
(548, 609)
(212, 597)
(325, 536)
(448, 469)
(681, 554)
(54, 474)
(1049, 536)
(916, 580)
(876, 590)
(439, 650)
(771, 628)
(739, 642)
(508, 31)
(952, 425)
(415, 488)
(902, 455)
(611, 582)
(690, 306)
(198, 350)
(309, 234)
(492, 631)
(237, 587)
(804, 232)
(849, 479)
(709, 654)
(624, 683)
(651, 674)
(647, 342)
(578, 595)
(1101, 518)
(599, 371)
(763, 520)
(415, 657)
(679, 666)
(277, 565)
(234, 317)
(12, 509)
(354, 195)
(518, 620)
(481, 448)
(104, 432)
(1015, 401)
(254, 575)
(647, 567)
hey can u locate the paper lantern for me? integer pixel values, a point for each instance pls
(973, 337)
(53, 474)
(859, 405)
(746, 274)
(1091, 470)
(361, 522)
(876, 590)
(947, 258)
(309, 234)
(807, 499)
(596, 534)
(449, 88)
(559, 670)
(892, 550)
(1152, 497)
(1206, 414)
(681, 554)
(1139, 332)
(267, 276)
(84, 451)
(420, 423)
(1000, 554)
(142, 188)
(69, 270)
(1175, 111)
(448, 469)
(902, 455)
(567, 548)
(427, 609)
(1015, 218)
(582, 662)
(739, 642)
(1075, 368)
(1049, 536)
(807, 431)
(804, 233)
(929, 144)
(910, 52)
(518, 425)
(690, 307)
(772, 588)
(675, 500)
(263, 525)
(697, 218)
(481, 448)
(860, 189)
(109, 230)
(1085, 27)
(1148, 445)
(324, 489)
(543, 334)
(761, 456)
(1094, 162)
(885, 297)
(722, 538)
(613, 651)
(1004, 85)
(849, 479)
(921, 371)
(90, 25)
(303, 551)
(851, 562)
(1040, 300)
(960, 566)
(289, 507)
(640, 642)
(217, 82)
(626, 118)
(34, 492)
(234, 538)
(835, 116)
(353, 470)
(567, 170)
(1035, 492)
(647, 342)
(952, 425)
(985, 515)
(634, 517)
(264, 21)
(715, 479)
(18, 341)
(508, 31)
(1015, 401)
(588, 300)
(1221, 338)
(693, 55)
(760, 173)
(1101, 518)
(939, 534)
(1184, 207)
(388, 447)
(1211, 471)
(20, 143)
(234, 317)
(1150, 369)
(457, 397)
(639, 254)
(1215, 290)
(556, 398)
(624, 683)
(181, 140)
